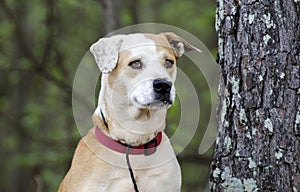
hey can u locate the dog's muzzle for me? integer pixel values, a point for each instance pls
(162, 88)
(153, 93)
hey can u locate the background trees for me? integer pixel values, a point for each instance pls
(258, 147)
(41, 45)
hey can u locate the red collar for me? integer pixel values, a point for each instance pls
(146, 149)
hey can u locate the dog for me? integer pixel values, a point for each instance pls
(127, 150)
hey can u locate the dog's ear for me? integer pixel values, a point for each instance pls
(106, 52)
(179, 45)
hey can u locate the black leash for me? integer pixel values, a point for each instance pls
(103, 119)
(130, 169)
(127, 157)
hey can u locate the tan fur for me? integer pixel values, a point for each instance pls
(96, 168)
(90, 173)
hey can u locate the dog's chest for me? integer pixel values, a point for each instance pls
(161, 178)
(145, 183)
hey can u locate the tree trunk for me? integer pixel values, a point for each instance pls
(111, 15)
(258, 146)
(134, 8)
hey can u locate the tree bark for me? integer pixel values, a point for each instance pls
(134, 7)
(258, 146)
(111, 15)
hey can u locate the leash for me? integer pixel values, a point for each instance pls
(130, 169)
(104, 120)
(127, 158)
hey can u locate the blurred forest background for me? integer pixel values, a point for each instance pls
(41, 45)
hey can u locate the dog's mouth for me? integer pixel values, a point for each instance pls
(155, 104)
(161, 103)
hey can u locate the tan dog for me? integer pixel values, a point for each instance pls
(127, 150)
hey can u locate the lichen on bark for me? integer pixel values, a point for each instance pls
(258, 146)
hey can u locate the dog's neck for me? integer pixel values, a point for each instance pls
(126, 122)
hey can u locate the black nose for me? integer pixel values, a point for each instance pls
(162, 86)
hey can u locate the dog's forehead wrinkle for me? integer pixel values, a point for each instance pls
(138, 55)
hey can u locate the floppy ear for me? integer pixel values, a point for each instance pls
(106, 52)
(179, 45)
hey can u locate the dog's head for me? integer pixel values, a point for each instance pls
(141, 67)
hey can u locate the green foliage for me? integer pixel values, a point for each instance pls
(41, 46)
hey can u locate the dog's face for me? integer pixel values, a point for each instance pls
(149, 67)
(141, 66)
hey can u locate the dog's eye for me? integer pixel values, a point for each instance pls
(136, 64)
(169, 63)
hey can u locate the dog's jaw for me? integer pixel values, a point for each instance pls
(136, 126)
